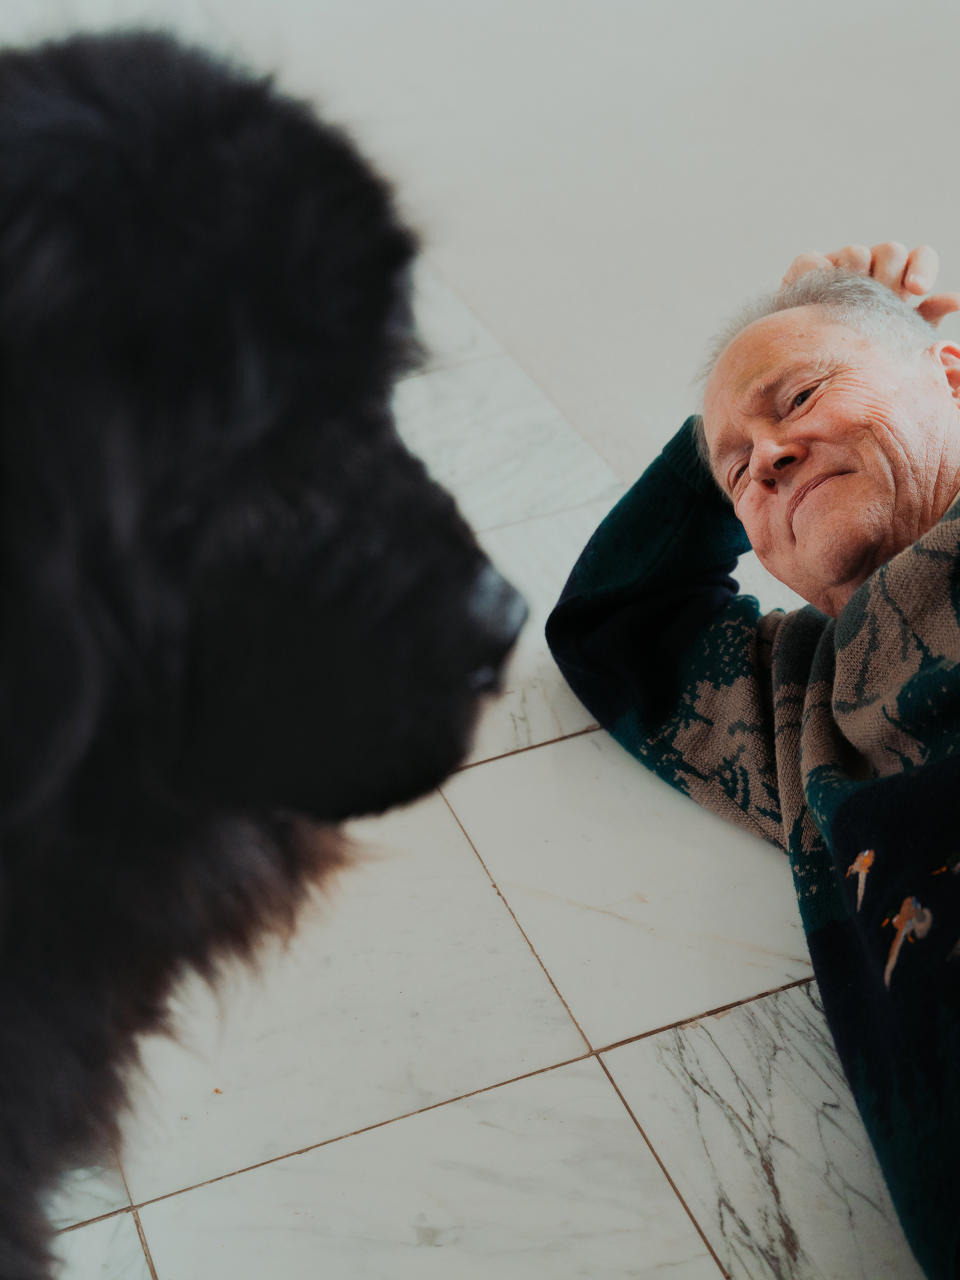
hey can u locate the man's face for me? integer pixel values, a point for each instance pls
(836, 450)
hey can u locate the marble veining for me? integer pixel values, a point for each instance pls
(754, 1121)
(488, 434)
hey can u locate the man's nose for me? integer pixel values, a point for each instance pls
(772, 458)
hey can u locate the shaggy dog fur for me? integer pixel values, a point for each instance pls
(232, 606)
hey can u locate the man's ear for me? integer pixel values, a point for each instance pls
(947, 355)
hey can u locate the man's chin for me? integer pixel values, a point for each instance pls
(837, 575)
(833, 600)
(834, 593)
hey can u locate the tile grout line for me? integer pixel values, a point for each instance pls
(790, 986)
(117, 1155)
(134, 1208)
(519, 751)
(596, 1053)
(708, 1013)
(143, 1244)
(663, 1168)
(326, 1142)
(643, 1035)
(500, 895)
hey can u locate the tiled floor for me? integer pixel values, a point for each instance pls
(558, 1022)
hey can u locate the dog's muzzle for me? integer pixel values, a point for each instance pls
(499, 612)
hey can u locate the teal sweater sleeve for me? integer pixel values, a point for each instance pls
(652, 636)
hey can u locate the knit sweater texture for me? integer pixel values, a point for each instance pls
(837, 740)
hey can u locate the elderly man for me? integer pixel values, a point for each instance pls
(830, 443)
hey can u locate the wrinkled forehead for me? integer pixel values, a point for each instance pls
(765, 345)
(766, 350)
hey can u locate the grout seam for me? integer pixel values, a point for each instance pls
(709, 1013)
(513, 917)
(519, 751)
(663, 1169)
(591, 1052)
(134, 1208)
(143, 1244)
(328, 1142)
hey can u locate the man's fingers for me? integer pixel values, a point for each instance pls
(923, 267)
(889, 265)
(811, 261)
(908, 274)
(854, 257)
(934, 309)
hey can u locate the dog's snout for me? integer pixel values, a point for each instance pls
(499, 609)
(499, 612)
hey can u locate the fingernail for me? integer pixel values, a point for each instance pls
(920, 283)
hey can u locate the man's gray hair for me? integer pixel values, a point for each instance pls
(854, 300)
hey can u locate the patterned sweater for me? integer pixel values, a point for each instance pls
(836, 739)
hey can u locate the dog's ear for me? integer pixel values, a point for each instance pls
(51, 670)
(68, 485)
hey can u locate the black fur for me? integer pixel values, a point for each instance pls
(232, 606)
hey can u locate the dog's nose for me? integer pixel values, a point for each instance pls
(500, 612)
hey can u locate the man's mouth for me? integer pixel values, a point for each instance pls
(806, 489)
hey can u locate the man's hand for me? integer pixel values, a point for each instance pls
(910, 274)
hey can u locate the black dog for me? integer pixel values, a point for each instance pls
(232, 606)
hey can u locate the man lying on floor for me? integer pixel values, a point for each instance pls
(830, 443)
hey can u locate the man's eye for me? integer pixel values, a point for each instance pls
(735, 478)
(801, 398)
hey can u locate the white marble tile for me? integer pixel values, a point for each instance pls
(410, 984)
(755, 1123)
(109, 1250)
(544, 1177)
(450, 332)
(536, 704)
(644, 908)
(496, 442)
(85, 1194)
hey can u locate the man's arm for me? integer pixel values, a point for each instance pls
(652, 637)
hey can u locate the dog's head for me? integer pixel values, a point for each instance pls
(220, 570)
